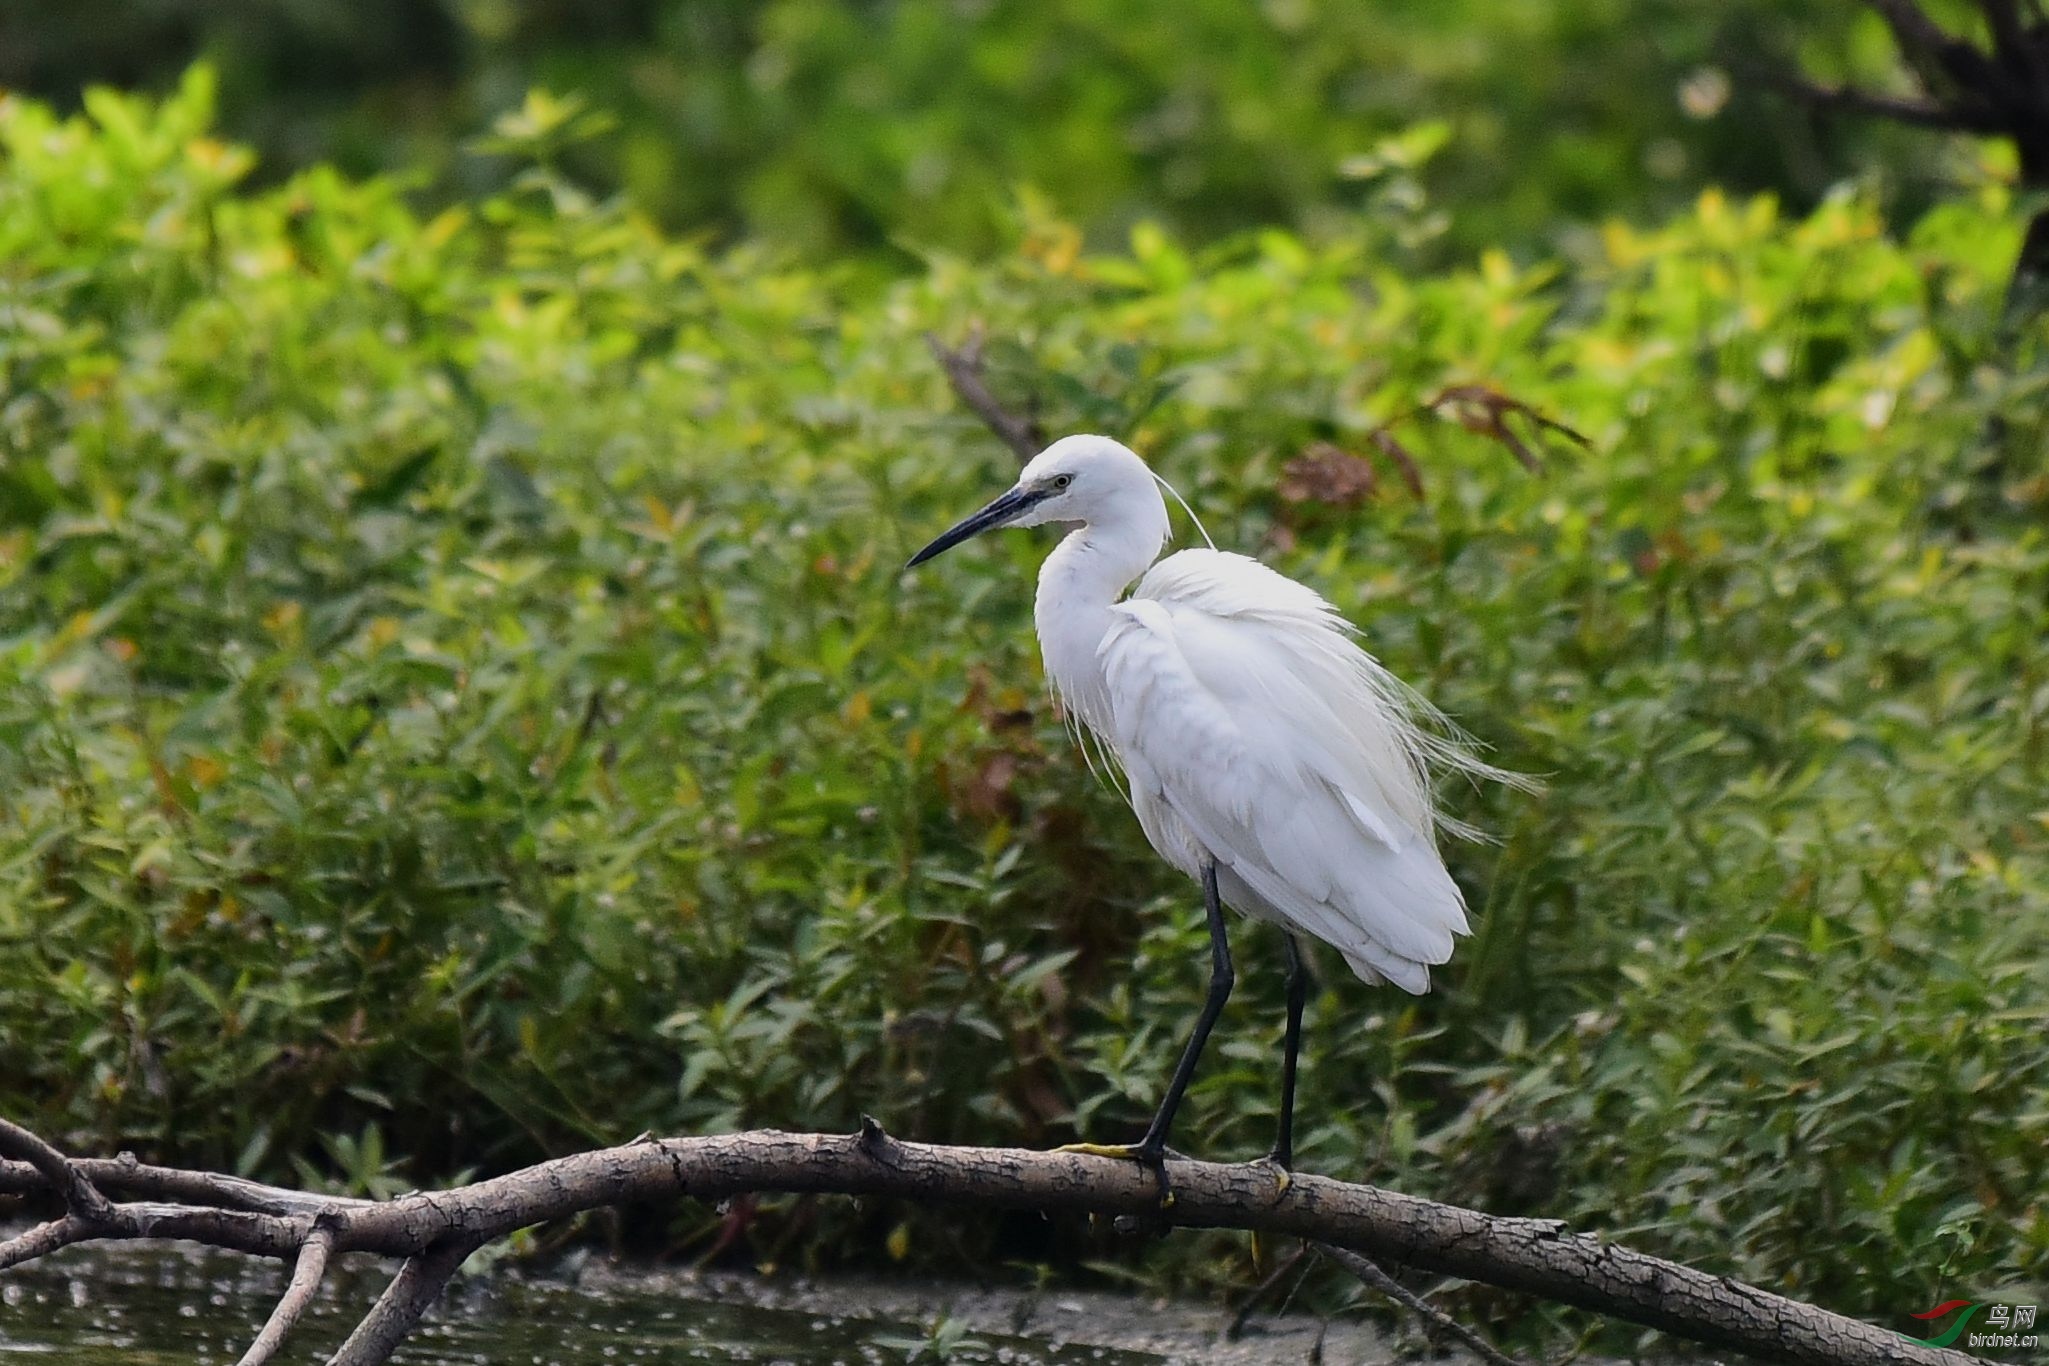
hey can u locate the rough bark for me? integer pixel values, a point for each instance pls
(410, 1295)
(435, 1231)
(306, 1274)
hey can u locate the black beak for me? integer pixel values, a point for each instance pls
(994, 515)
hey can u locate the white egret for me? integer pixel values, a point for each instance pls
(1266, 755)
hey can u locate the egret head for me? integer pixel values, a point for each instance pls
(1088, 479)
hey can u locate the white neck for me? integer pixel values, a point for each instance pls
(1079, 583)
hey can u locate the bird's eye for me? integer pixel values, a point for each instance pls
(1061, 481)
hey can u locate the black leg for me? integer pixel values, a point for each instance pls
(1153, 1146)
(1283, 1155)
(1152, 1149)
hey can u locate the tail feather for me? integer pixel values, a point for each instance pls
(1375, 964)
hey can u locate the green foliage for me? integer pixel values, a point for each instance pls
(867, 125)
(946, 1339)
(458, 691)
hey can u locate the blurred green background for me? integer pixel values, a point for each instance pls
(882, 126)
(459, 702)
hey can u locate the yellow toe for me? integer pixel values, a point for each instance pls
(1125, 1151)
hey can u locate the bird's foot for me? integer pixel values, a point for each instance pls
(1150, 1152)
(1128, 1152)
(1281, 1166)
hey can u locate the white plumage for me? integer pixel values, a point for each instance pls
(1253, 731)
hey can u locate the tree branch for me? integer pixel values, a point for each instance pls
(80, 1196)
(141, 1181)
(964, 373)
(435, 1231)
(42, 1240)
(2012, 46)
(306, 1274)
(1921, 41)
(1845, 99)
(411, 1294)
(2003, 17)
(2001, 92)
(1372, 1275)
(1262, 1290)
(1911, 24)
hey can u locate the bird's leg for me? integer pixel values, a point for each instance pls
(1283, 1154)
(1152, 1149)
(1221, 979)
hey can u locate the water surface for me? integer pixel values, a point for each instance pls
(140, 1306)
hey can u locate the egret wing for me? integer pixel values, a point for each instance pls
(1253, 730)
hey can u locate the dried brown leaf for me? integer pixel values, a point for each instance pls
(1485, 411)
(1327, 474)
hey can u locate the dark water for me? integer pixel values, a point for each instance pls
(139, 1307)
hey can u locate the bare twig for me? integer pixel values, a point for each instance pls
(261, 1235)
(435, 1231)
(42, 1240)
(1484, 411)
(1910, 23)
(305, 1282)
(1383, 440)
(1922, 41)
(1947, 118)
(81, 1197)
(1370, 1273)
(2003, 17)
(141, 1181)
(2024, 54)
(1262, 1290)
(411, 1294)
(964, 372)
